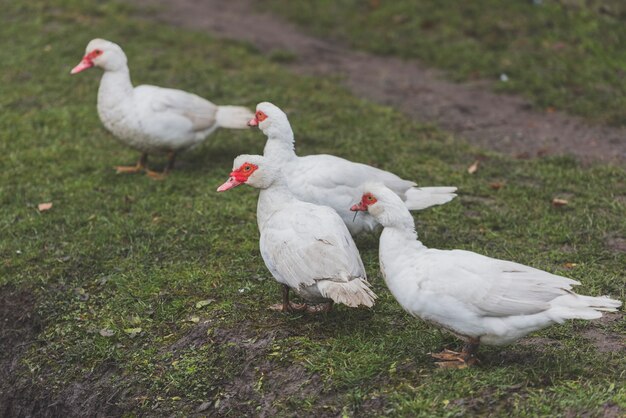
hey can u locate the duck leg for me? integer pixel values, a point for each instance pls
(455, 360)
(140, 166)
(171, 158)
(288, 306)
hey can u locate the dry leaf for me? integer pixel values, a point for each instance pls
(474, 167)
(44, 206)
(496, 185)
(133, 332)
(556, 202)
(204, 303)
(105, 332)
(569, 265)
(195, 319)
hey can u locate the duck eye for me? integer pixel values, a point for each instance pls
(98, 52)
(246, 168)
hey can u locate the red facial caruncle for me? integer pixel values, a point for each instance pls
(87, 61)
(368, 199)
(259, 117)
(238, 176)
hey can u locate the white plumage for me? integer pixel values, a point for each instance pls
(306, 247)
(152, 119)
(332, 181)
(478, 298)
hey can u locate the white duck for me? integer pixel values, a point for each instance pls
(306, 247)
(477, 298)
(332, 181)
(152, 119)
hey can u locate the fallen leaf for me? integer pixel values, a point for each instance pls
(135, 320)
(195, 319)
(496, 185)
(204, 406)
(105, 332)
(474, 167)
(44, 206)
(556, 202)
(569, 265)
(203, 303)
(133, 332)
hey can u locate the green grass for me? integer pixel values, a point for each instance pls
(132, 257)
(563, 55)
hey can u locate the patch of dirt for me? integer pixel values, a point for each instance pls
(20, 396)
(603, 340)
(18, 329)
(262, 383)
(616, 244)
(503, 123)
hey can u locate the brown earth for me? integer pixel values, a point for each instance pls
(499, 122)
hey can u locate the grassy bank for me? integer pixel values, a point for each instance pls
(150, 297)
(561, 55)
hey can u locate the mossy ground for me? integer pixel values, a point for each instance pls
(112, 275)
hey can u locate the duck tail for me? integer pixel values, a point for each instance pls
(353, 293)
(233, 117)
(418, 198)
(573, 306)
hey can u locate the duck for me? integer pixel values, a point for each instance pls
(333, 181)
(151, 119)
(306, 247)
(481, 300)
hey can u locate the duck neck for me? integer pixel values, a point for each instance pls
(406, 232)
(399, 221)
(280, 144)
(115, 86)
(271, 199)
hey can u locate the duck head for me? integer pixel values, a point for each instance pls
(253, 170)
(384, 205)
(271, 120)
(104, 54)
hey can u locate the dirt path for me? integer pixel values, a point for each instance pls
(499, 122)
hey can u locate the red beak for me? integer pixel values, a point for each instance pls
(359, 207)
(229, 184)
(82, 66)
(253, 122)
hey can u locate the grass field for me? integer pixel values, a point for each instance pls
(149, 297)
(567, 55)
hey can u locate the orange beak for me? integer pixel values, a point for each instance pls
(84, 64)
(229, 184)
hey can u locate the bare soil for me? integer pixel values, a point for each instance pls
(499, 122)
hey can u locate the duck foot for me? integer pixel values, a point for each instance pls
(140, 166)
(155, 175)
(288, 306)
(302, 307)
(171, 158)
(455, 360)
(319, 308)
